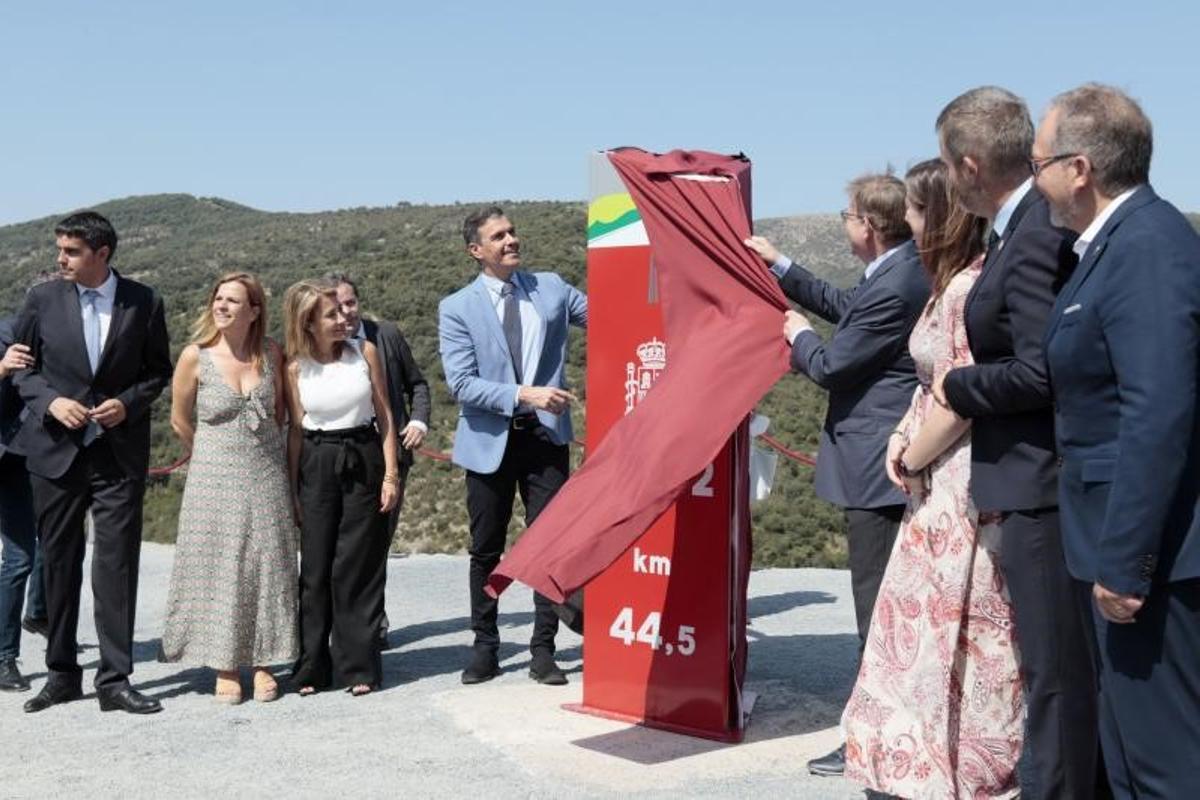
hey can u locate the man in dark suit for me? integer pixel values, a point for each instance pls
(408, 391)
(20, 563)
(101, 357)
(1123, 349)
(985, 136)
(870, 377)
(503, 340)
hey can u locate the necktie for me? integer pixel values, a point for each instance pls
(512, 327)
(91, 327)
(993, 241)
(91, 339)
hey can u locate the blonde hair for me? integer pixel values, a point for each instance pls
(204, 329)
(300, 303)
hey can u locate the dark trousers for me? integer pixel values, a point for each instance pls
(870, 536)
(1055, 646)
(393, 519)
(93, 481)
(1150, 694)
(21, 559)
(538, 467)
(343, 559)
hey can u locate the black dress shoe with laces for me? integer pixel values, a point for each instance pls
(129, 700)
(52, 694)
(11, 679)
(543, 670)
(37, 625)
(831, 765)
(483, 667)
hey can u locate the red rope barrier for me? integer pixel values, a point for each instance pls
(803, 458)
(155, 472)
(775, 444)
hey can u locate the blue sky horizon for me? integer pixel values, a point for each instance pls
(316, 106)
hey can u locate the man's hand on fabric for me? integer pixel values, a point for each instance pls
(763, 248)
(1120, 609)
(794, 324)
(547, 398)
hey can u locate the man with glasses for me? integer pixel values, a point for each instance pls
(986, 136)
(866, 368)
(1123, 350)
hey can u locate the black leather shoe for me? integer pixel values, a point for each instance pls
(829, 766)
(11, 679)
(52, 695)
(483, 667)
(543, 670)
(38, 625)
(129, 700)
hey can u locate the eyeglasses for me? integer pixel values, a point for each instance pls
(1036, 165)
(846, 215)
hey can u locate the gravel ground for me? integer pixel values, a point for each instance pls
(425, 734)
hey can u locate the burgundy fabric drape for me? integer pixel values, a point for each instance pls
(722, 315)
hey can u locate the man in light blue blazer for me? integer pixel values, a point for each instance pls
(503, 341)
(1123, 350)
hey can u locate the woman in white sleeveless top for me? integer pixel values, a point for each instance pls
(343, 467)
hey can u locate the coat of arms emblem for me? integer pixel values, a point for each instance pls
(639, 378)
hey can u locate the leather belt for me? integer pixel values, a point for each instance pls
(524, 422)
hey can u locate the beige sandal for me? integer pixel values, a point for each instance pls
(228, 689)
(266, 688)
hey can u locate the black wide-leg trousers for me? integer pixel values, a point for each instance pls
(538, 467)
(343, 558)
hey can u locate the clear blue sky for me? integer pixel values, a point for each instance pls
(321, 105)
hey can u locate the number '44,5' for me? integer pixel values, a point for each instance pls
(648, 633)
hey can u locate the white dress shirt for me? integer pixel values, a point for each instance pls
(1089, 233)
(531, 329)
(1000, 223)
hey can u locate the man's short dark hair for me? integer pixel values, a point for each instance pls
(92, 228)
(992, 125)
(338, 278)
(475, 221)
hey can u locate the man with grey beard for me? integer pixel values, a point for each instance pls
(1123, 350)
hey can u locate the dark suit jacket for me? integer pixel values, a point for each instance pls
(408, 391)
(10, 402)
(1006, 393)
(1124, 354)
(135, 365)
(867, 370)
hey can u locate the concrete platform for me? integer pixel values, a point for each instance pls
(427, 735)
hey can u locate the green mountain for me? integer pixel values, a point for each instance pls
(406, 258)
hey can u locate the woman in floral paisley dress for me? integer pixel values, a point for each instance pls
(232, 600)
(937, 710)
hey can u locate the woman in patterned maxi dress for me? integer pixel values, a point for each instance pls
(937, 710)
(232, 599)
